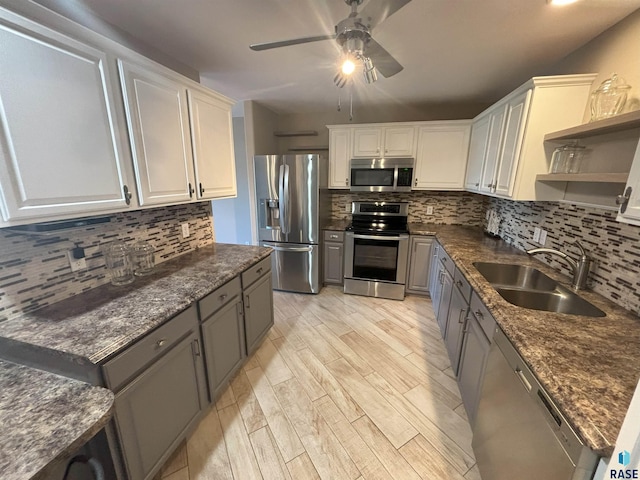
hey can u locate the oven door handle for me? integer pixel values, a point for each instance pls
(380, 237)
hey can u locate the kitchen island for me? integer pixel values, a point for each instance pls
(107, 337)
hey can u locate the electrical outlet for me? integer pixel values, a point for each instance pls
(429, 210)
(536, 234)
(185, 230)
(76, 263)
(543, 237)
(347, 208)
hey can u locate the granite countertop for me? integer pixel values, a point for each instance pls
(336, 224)
(90, 327)
(590, 366)
(45, 418)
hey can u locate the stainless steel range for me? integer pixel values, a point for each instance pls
(376, 250)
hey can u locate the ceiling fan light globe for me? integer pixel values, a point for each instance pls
(348, 66)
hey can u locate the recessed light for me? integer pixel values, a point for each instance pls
(560, 2)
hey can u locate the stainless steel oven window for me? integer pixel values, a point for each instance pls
(363, 262)
(368, 177)
(375, 259)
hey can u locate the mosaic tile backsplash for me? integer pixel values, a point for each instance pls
(449, 208)
(35, 272)
(614, 246)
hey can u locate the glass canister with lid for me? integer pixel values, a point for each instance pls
(610, 98)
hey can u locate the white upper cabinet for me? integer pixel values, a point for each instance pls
(158, 119)
(630, 200)
(60, 144)
(339, 156)
(212, 140)
(442, 155)
(384, 141)
(367, 142)
(477, 149)
(512, 132)
(181, 137)
(516, 110)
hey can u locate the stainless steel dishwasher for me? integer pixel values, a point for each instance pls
(519, 433)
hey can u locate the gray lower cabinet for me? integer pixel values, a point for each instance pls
(333, 252)
(442, 316)
(157, 407)
(418, 278)
(224, 343)
(458, 309)
(435, 281)
(258, 310)
(473, 358)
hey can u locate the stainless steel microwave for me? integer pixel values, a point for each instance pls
(381, 174)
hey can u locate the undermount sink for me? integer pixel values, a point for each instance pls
(528, 287)
(516, 276)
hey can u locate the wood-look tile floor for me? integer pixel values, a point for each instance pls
(343, 387)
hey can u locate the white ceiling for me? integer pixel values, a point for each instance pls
(453, 51)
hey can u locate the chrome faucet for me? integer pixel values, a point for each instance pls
(580, 267)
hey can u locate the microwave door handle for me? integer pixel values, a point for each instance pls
(395, 178)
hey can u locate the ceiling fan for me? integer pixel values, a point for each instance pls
(353, 34)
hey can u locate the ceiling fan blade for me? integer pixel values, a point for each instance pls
(285, 43)
(382, 60)
(376, 11)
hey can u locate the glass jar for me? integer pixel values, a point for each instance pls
(567, 159)
(119, 265)
(143, 258)
(609, 99)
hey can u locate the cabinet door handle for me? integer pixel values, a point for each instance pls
(222, 297)
(459, 283)
(195, 348)
(201, 189)
(246, 302)
(441, 277)
(346, 182)
(239, 309)
(623, 200)
(416, 183)
(477, 184)
(462, 311)
(127, 194)
(191, 190)
(161, 343)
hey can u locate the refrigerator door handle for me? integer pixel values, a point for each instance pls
(281, 202)
(287, 201)
(280, 248)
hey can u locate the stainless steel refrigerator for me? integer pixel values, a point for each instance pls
(293, 205)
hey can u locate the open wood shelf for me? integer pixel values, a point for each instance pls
(296, 133)
(584, 177)
(625, 121)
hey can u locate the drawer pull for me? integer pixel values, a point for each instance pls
(222, 297)
(479, 314)
(459, 283)
(259, 271)
(334, 236)
(160, 343)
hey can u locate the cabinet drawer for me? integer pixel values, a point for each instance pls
(462, 284)
(445, 259)
(485, 319)
(333, 236)
(155, 344)
(218, 298)
(254, 273)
